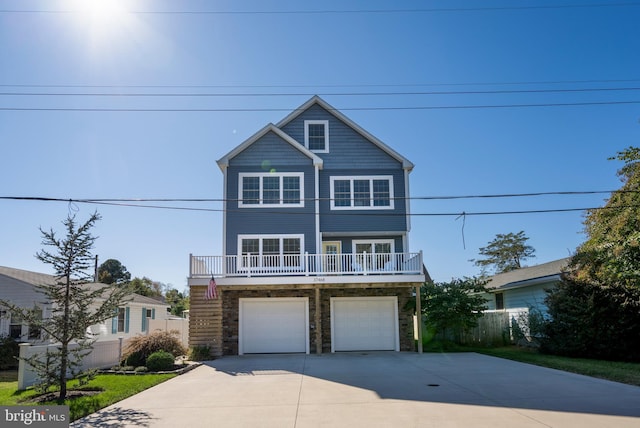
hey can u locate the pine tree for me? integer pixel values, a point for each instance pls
(75, 304)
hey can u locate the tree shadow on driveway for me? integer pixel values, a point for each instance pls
(460, 378)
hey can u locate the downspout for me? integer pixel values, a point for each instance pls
(317, 208)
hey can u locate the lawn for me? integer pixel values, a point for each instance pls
(113, 388)
(610, 370)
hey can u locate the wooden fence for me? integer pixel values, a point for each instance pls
(494, 328)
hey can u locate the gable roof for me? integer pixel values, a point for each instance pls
(32, 279)
(223, 162)
(528, 275)
(406, 164)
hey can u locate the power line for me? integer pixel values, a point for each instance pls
(138, 203)
(357, 85)
(295, 94)
(270, 109)
(341, 11)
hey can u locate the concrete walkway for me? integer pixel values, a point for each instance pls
(375, 390)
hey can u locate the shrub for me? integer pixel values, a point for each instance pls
(141, 369)
(159, 361)
(144, 346)
(200, 353)
(9, 352)
(135, 359)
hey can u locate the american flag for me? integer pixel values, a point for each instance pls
(212, 291)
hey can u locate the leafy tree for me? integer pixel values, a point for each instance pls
(595, 312)
(453, 308)
(146, 287)
(506, 252)
(178, 301)
(75, 305)
(113, 272)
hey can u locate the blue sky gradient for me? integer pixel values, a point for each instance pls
(272, 48)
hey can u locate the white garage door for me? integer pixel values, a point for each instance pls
(273, 325)
(364, 324)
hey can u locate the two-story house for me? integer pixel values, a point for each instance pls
(316, 254)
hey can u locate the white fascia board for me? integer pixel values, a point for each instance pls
(294, 279)
(223, 162)
(406, 164)
(551, 279)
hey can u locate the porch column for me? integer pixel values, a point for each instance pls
(419, 317)
(318, 322)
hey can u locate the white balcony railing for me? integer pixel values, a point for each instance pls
(249, 265)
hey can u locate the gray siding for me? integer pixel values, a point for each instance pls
(347, 148)
(363, 220)
(270, 153)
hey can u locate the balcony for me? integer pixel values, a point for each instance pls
(306, 265)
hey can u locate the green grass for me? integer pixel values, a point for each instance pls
(610, 370)
(113, 389)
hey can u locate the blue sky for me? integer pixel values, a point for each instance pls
(490, 46)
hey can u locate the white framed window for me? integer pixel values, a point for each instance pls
(270, 251)
(362, 192)
(316, 135)
(270, 190)
(121, 320)
(374, 254)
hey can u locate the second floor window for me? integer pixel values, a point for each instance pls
(271, 190)
(365, 192)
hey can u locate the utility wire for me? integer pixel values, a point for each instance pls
(358, 85)
(343, 11)
(137, 204)
(296, 94)
(269, 109)
(430, 198)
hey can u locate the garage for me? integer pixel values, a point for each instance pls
(273, 325)
(364, 324)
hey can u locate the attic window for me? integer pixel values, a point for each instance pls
(316, 135)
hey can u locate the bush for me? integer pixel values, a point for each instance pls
(593, 321)
(9, 352)
(135, 359)
(141, 369)
(200, 353)
(144, 346)
(159, 361)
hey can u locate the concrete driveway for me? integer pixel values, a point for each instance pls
(375, 390)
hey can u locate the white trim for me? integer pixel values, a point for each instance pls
(353, 299)
(223, 162)
(406, 164)
(261, 176)
(224, 213)
(351, 179)
(407, 200)
(271, 299)
(311, 281)
(373, 242)
(317, 207)
(326, 134)
(261, 239)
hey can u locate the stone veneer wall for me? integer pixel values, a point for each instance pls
(230, 312)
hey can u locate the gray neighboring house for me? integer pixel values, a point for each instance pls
(518, 290)
(20, 287)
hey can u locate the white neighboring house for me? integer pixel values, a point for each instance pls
(20, 287)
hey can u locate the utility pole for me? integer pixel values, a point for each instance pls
(95, 270)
